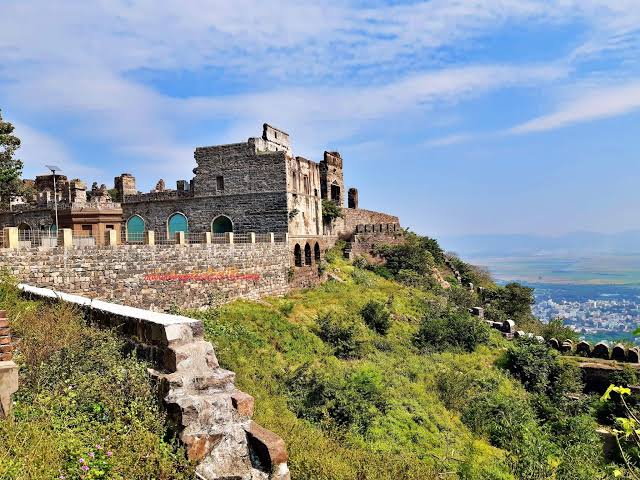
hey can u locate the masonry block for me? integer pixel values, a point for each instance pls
(8, 386)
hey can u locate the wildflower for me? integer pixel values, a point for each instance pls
(109, 454)
(98, 447)
(81, 460)
(92, 455)
(85, 468)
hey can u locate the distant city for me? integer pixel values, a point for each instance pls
(597, 312)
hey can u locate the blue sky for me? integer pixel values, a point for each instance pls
(461, 116)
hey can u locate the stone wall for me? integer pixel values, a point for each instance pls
(157, 276)
(210, 415)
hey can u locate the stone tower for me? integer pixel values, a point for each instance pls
(352, 198)
(331, 178)
(125, 184)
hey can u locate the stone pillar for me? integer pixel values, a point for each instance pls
(252, 237)
(11, 238)
(8, 369)
(67, 237)
(180, 238)
(286, 237)
(229, 238)
(112, 238)
(150, 237)
(207, 237)
(272, 238)
(352, 198)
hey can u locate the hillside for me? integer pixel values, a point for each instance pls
(411, 386)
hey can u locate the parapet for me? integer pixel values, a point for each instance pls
(333, 159)
(275, 135)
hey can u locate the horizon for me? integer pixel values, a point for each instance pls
(480, 117)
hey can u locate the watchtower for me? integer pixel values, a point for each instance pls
(332, 178)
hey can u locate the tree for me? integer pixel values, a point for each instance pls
(10, 167)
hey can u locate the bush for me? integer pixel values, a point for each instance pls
(330, 210)
(513, 299)
(454, 330)
(376, 316)
(409, 255)
(334, 398)
(342, 332)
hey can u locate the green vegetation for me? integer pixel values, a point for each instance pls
(10, 167)
(84, 410)
(385, 375)
(330, 210)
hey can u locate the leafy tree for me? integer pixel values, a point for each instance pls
(330, 210)
(409, 255)
(10, 167)
(513, 299)
(455, 330)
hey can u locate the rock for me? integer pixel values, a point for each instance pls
(553, 343)
(519, 334)
(477, 312)
(8, 386)
(269, 449)
(243, 403)
(539, 339)
(601, 350)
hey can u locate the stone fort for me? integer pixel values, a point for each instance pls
(249, 223)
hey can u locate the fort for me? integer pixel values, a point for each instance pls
(251, 207)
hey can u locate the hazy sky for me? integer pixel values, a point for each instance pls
(461, 116)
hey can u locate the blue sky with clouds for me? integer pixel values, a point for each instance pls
(462, 116)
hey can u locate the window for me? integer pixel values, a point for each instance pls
(222, 224)
(87, 230)
(220, 184)
(335, 193)
(135, 229)
(297, 253)
(177, 223)
(307, 185)
(110, 227)
(316, 252)
(295, 182)
(307, 254)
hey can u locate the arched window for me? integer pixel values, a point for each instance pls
(135, 229)
(24, 231)
(297, 253)
(53, 230)
(316, 252)
(307, 254)
(177, 223)
(335, 192)
(221, 224)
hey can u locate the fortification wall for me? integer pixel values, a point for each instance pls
(157, 277)
(358, 216)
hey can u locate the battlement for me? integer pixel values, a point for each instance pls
(332, 158)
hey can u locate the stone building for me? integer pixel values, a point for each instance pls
(89, 214)
(254, 186)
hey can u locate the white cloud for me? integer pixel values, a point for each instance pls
(590, 105)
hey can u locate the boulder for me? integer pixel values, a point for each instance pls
(519, 334)
(270, 450)
(539, 339)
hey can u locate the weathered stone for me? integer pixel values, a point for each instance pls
(619, 353)
(633, 355)
(477, 311)
(509, 326)
(601, 350)
(8, 386)
(583, 348)
(539, 339)
(519, 334)
(553, 343)
(566, 346)
(199, 446)
(268, 447)
(243, 403)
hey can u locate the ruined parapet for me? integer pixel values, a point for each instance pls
(125, 185)
(160, 186)
(633, 355)
(278, 138)
(583, 348)
(553, 343)
(619, 353)
(8, 369)
(601, 350)
(477, 312)
(509, 327)
(566, 346)
(210, 415)
(352, 198)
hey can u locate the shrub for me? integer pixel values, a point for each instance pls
(341, 332)
(376, 316)
(330, 210)
(454, 330)
(513, 299)
(337, 398)
(557, 329)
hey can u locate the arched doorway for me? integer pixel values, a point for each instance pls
(316, 252)
(135, 229)
(297, 254)
(177, 223)
(24, 231)
(221, 224)
(307, 254)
